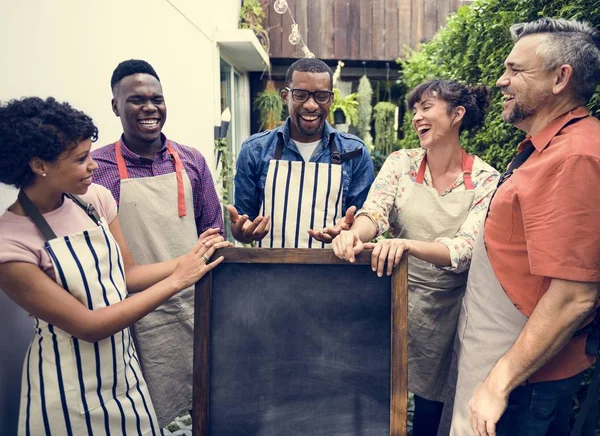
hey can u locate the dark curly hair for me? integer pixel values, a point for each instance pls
(474, 99)
(129, 67)
(308, 65)
(32, 127)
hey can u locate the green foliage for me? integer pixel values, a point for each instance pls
(225, 176)
(472, 48)
(251, 17)
(348, 105)
(385, 135)
(365, 110)
(270, 106)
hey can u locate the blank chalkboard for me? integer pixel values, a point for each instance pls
(296, 342)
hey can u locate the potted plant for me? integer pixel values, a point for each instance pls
(346, 106)
(270, 107)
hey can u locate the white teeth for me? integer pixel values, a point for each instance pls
(309, 117)
(148, 122)
(423, 129)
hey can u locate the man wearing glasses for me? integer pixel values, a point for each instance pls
(303, 175)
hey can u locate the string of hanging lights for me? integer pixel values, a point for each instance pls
(295, 37)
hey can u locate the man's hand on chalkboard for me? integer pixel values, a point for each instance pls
(347, 245)
(245, 230)
(327, 234)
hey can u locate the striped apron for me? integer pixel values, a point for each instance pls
(300, 196)
(73, 387)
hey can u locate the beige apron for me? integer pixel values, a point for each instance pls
(157, 217)
(488, 325)
(300, 196)
(434, 295)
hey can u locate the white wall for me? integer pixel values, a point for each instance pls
(69, 48)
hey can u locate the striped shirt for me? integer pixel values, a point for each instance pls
(207, 207)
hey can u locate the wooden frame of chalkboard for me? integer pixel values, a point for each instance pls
(398, 379)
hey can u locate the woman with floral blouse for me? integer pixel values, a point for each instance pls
(433, 199)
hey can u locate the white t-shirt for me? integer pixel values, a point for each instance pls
(306, 148)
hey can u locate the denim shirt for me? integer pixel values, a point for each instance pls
(253, 163)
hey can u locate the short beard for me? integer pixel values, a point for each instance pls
(309, 133)
(518, 114)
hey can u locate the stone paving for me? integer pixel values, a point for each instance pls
(182, 426)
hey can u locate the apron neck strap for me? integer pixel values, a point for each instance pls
(467, 168)
(336, 158)
(33, 212)
(89, 208)
(123, 174)
(181, 207)
(40, 222)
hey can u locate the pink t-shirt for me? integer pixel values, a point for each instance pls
(21, 241)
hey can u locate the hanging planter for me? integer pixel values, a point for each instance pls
(270, 106)
(347, 105)
(339, 117)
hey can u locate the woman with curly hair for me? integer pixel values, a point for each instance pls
(63, 258)
(433, 199)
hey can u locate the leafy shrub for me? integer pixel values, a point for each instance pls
(472, 48)
(384, 127)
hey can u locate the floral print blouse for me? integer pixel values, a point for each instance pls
(394, 184)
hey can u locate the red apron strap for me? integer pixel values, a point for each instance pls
(120, 162)
(467, 167)
(181, 208)
(421, 172)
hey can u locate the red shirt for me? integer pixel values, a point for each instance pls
(543, 224)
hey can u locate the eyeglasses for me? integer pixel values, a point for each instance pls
(302, 95)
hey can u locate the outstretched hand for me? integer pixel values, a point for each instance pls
(245, 230)
(327, 234)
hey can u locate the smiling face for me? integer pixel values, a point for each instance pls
(72, 170)
(433, 122)
(139, 102)
(308, 118)
(526, 85)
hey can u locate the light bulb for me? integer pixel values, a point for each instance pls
(294, 37)
(280, 6)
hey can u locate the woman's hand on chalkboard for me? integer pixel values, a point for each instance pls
(245, 230)
(327, 234)
(387, 250)
(192, 266)
(347, 245)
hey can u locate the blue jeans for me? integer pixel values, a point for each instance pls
(540, 409)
